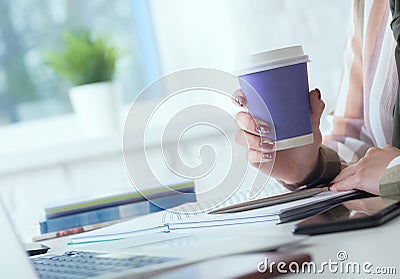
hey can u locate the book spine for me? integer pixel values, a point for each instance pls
(94, 217)
(76, 230)
(113, 213)
(172, 201)
(118, 200)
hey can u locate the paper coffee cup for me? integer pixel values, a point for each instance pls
(277, 80)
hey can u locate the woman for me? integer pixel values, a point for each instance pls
(357, 153)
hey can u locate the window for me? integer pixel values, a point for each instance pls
(29, 89)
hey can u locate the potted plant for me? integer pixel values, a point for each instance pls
(89, 63)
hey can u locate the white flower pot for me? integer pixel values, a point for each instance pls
(96, 107)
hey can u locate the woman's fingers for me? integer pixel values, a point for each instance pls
(257, 157)
(346, 172)
(317, 106)
(254, 142)
(252, 125)
(253, 135)
(348, 183)
(238, 98)
(347, 179)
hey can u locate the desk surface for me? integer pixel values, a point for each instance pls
(378, 246)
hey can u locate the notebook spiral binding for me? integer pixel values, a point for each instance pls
(205, 206)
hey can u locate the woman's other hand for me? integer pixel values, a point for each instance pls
(366, 173)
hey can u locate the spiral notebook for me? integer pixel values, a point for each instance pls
(194, 216)
(165, 221)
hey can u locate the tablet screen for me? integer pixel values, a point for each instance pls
(349, 215)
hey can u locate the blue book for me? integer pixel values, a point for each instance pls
(112, 213)
(117, 200)
(172, 201)
(94, 217)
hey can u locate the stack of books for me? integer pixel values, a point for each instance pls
(91, 214)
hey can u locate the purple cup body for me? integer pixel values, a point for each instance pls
(285, 93)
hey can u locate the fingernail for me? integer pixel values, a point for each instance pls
(240, 100)
(262, 130)
(319, 93)
(267, 144)
(267, 156)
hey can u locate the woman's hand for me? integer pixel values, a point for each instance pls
(291, 165)
(366, 174)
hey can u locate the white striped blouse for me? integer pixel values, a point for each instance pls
(363, 114)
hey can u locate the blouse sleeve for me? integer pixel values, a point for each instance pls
(348, 137)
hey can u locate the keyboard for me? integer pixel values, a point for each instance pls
(82, 264)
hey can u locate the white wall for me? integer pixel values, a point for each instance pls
(211, 33)
(194, 33)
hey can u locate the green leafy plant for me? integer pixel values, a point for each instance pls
(84, 59)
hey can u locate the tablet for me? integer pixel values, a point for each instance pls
(350, 215)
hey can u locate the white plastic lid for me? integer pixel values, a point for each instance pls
(272, 59)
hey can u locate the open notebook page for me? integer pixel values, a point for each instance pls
(157, 221)
(170, 220)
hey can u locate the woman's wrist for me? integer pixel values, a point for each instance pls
(317, 169)
(331, 167)
(325, 170)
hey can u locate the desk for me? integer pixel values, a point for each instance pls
(379, 246)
